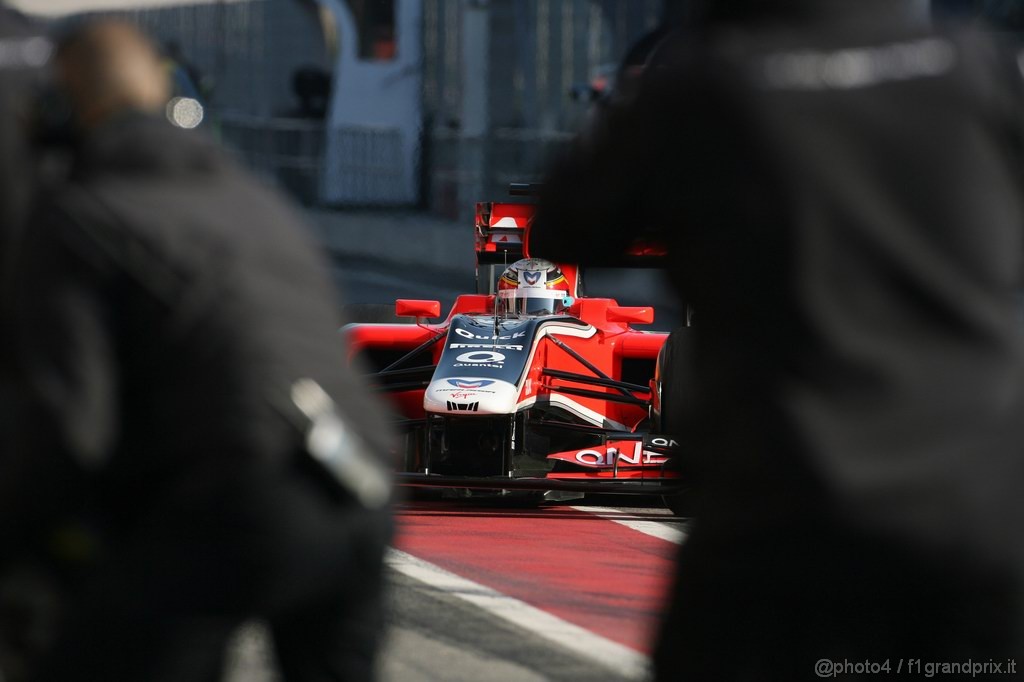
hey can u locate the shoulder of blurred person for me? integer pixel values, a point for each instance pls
(200, 279)
(814, 168)
(233, 241)
(23, 53)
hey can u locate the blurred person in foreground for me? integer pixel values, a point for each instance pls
(167, 305)
(839, 188)
(24, 52)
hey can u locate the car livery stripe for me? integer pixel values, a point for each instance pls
(611, 655)
(588, 570)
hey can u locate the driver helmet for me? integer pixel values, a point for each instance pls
(532, 286)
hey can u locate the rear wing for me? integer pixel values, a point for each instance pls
(500, 228)
(499, 231)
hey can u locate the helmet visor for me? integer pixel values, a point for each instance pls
(532, 302)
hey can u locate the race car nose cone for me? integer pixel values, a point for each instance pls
(470, 395)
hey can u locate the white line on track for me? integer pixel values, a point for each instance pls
(657, 529)
(612, 655)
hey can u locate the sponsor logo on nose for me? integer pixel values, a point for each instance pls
(464, 383)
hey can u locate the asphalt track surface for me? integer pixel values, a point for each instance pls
(556, 592)
(568, 591)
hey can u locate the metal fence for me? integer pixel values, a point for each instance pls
(288, 152)
(366, 171)
(368, 166)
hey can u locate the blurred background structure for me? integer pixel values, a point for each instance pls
(404, 103)
(429, 103)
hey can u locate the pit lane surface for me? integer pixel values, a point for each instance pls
(556, 592)
(562, 593)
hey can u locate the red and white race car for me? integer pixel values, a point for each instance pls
(527, 384)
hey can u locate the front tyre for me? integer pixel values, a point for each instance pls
(674, 383)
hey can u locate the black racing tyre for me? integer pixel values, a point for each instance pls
(681, 503)
(677, 398)
(676, 373)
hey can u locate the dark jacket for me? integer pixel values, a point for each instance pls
(840, 192)
(20, 69)
(167, 301)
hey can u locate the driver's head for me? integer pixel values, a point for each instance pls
(532, 286)
(108, 68)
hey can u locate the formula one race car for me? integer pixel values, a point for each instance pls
(527, 385)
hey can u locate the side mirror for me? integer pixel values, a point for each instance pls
(620, 313)
(412, 308)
